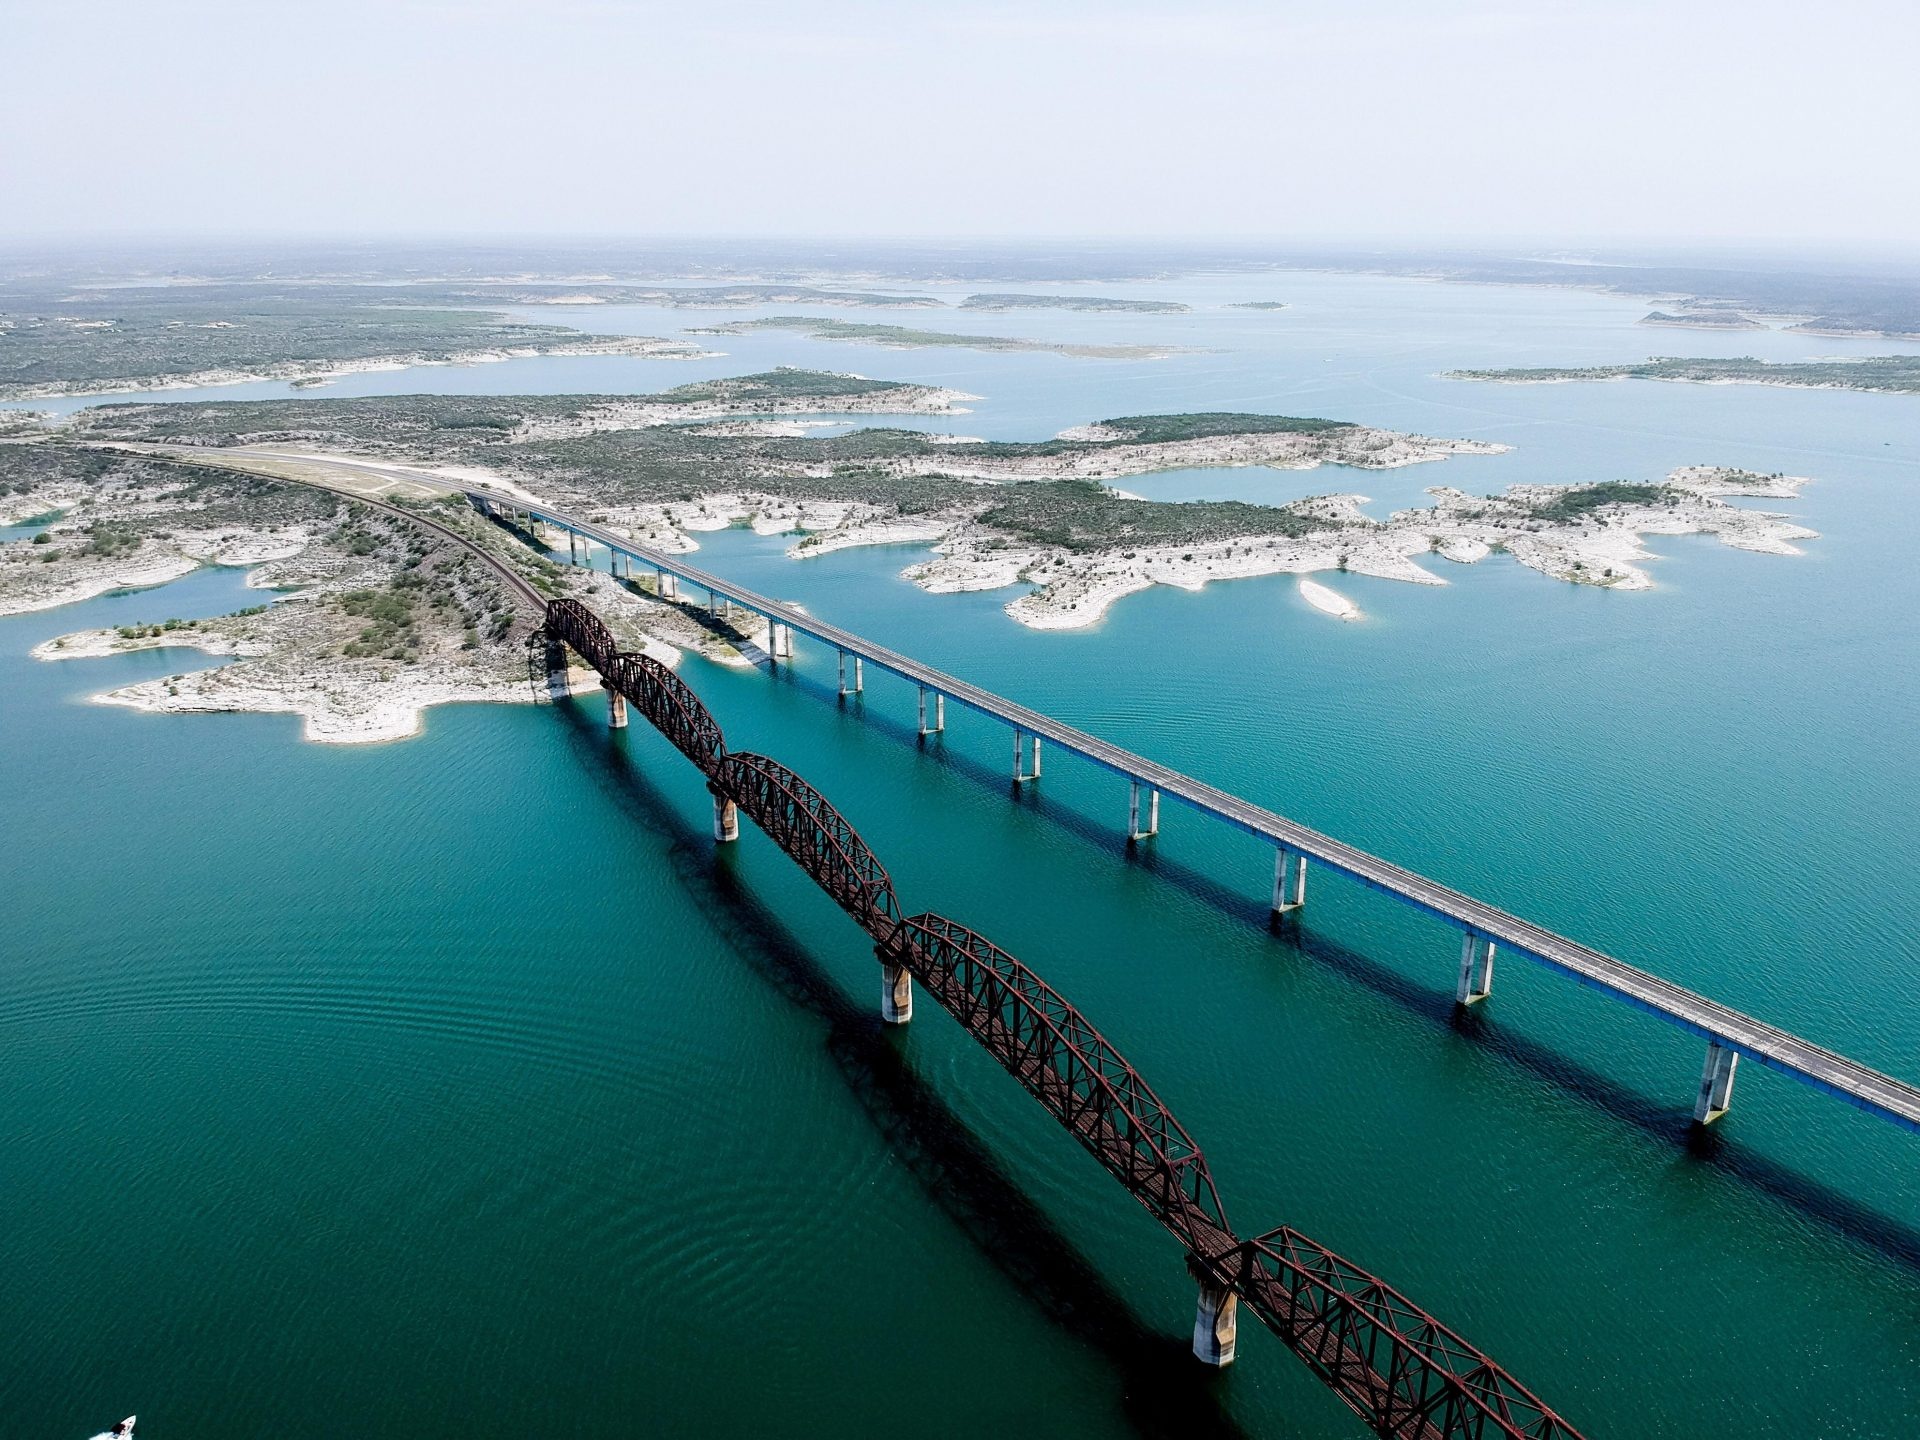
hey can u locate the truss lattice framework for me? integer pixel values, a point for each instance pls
(669, 705)
(798, 819)
(1069, 1067)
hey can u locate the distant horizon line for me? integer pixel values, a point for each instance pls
(122, 241)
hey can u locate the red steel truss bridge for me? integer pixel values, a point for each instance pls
(1400, 1370)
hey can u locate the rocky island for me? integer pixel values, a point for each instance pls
(901, 337)
(1887, 374)
(1701, 320)
(1085, 303)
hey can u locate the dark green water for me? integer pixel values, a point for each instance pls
(461, 1083)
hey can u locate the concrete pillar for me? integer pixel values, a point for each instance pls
(859, 674)
(1476, 969)
(939, 712)
(923, 709)
(616, 708)
(1289, 880)
(726, 819)
(1716, 1083)
(843, 672)
(556, 656)
(668, 587)
(1216, 1325)
(1135, 831)
(896, 994)
(1021, 770)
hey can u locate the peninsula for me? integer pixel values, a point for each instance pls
(102, 348)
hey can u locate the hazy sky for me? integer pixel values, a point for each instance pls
(1375, 118)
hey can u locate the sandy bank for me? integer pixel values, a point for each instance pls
(1329, 602)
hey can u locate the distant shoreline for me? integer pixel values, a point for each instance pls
(320, 371)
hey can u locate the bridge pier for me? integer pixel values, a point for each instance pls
(616, 708)
(939, 712)
(1216, 1324)
(1134, 832)
(780, 640)
(896, 994)
(556, 658)
(859, 675)
(726, 819)
(1022, 771)
(1289, 881)
(1476, 969)
(1716, 1083)
(666, 585)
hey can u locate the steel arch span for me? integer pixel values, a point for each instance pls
(666, 700)
(1068, 1066)
(799, 819)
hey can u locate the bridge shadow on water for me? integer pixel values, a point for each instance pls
(1843, 1214)
(1164, 1392)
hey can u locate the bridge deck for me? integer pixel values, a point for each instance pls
(1754, 1039)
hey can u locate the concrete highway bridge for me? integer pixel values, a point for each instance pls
(1729, 1035)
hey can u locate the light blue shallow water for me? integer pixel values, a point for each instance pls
(459, 1081)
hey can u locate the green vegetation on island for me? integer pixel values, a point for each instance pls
(1211, 424)
(902, 338)
(1073, 302)
(1087, 516)
(1572, 505)
(1891, 374)
(1702, 320)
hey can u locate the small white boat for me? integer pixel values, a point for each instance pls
(122, 1431)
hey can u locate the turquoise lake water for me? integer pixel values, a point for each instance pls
(463, 1083)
